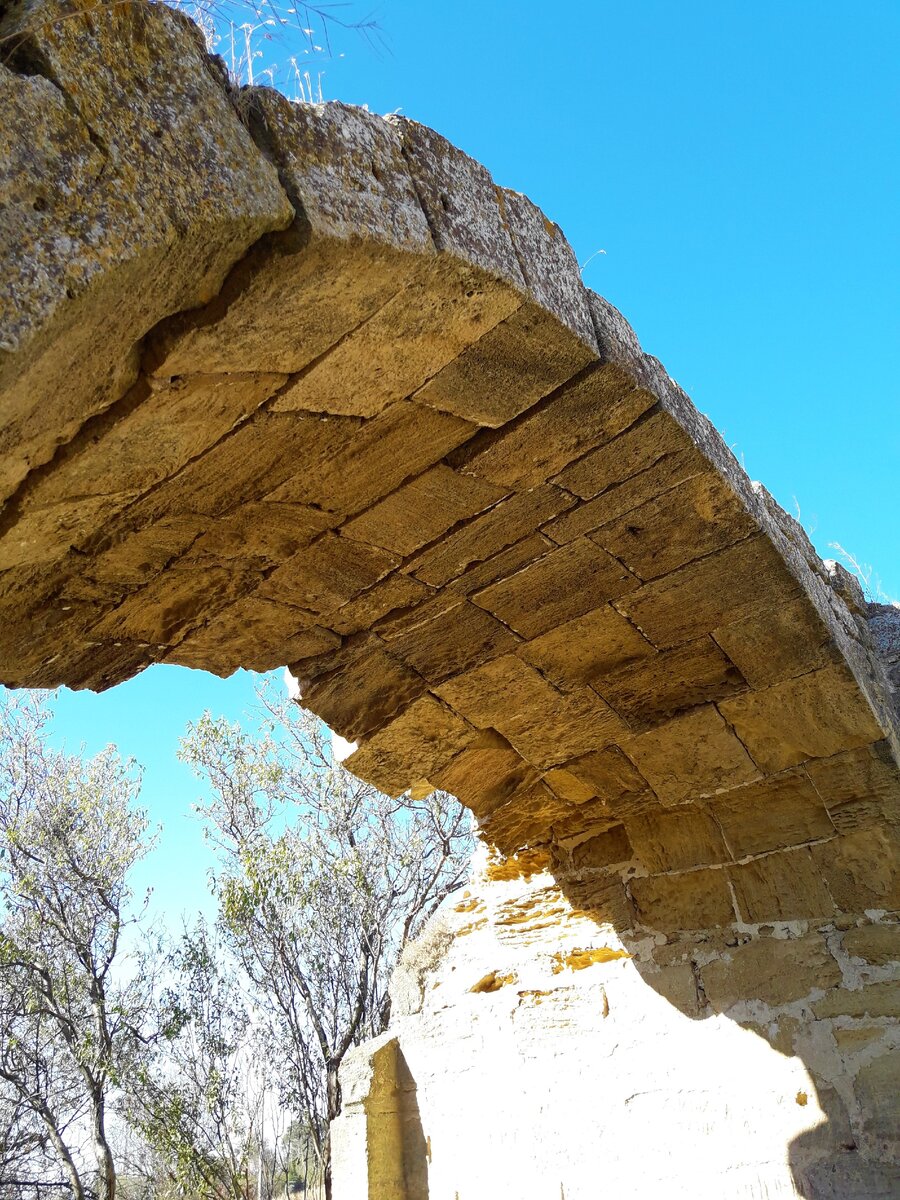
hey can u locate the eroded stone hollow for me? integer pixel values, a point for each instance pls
(298, 384)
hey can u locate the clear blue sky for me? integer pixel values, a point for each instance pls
(739, 166)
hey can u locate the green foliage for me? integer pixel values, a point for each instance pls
(321, 882)
(72, 1030)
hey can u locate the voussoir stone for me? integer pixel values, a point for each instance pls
(129, 189)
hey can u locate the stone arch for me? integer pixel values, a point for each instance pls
(298, 383)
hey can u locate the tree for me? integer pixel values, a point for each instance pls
(321, 882)
(202, 1106)
(73, 1028)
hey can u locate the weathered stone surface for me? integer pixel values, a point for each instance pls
(859, 787)
(691, 756)
(549, 265)
(776, 972)
(862, 869)
(693, 900)
(484, 383)
(877, 944)
(706, 514)
(677, 839)
(545, 725)
(424, 738)
(611, 846)
(648, 692)
(690, 601)
(129, 187)
(781, 811)
(780, 887)
(877, 1088)
(565, 583)
(827, 713)
(582, 414)
(459, 637)
(588, 646)
(365, 695)
(876, 1000)
(777, 643)
(422, 510)
(379, 456)
(278, 630)
(328, 574)
(485, 536)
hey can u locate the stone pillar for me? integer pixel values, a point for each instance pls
(378, 1147)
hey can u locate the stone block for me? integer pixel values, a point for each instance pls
(487, 774)
(327, 574)
(416, 744)
(770, 970)
(694, 599)
(678, 985)
(395, 593)
(508, 370)
(148, 436)
(485, 536)
(828, 713)
(602, 897)
(877, 944)
(585, 412)
(875, 1000)
(138, 556)
(247, 466)
(774, 644)
(859, 787)
(862, 868)
(692, 519)
(277, 633)
(546, 726)
(611, 776)
(777, 812)
(364, 694)
(129, 187)
(567, 786)
(587, 646)
(784, 886)
(604, 850)
(176, 602)
(498, 566)
(565, 583)
(657, 688)
(460, 637)
(691, 756)
(549, 265)
(421, 510)
(382, 453)
(676, 839)
(694, 900)
(877, 1087)
(525, 820)
(460, 201)
(259, 530)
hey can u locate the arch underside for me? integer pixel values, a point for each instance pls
(290, 383)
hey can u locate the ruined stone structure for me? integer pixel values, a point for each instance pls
(286, 383)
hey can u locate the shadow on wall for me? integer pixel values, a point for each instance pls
(396, 1148)
(790, 964)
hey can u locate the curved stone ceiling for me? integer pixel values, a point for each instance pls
(290, 383)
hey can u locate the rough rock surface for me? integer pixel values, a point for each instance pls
(292, 383)
(540, 1050)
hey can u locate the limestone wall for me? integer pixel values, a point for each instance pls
(297, 384)
(546, 1054)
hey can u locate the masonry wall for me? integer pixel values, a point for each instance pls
(548, 1057)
